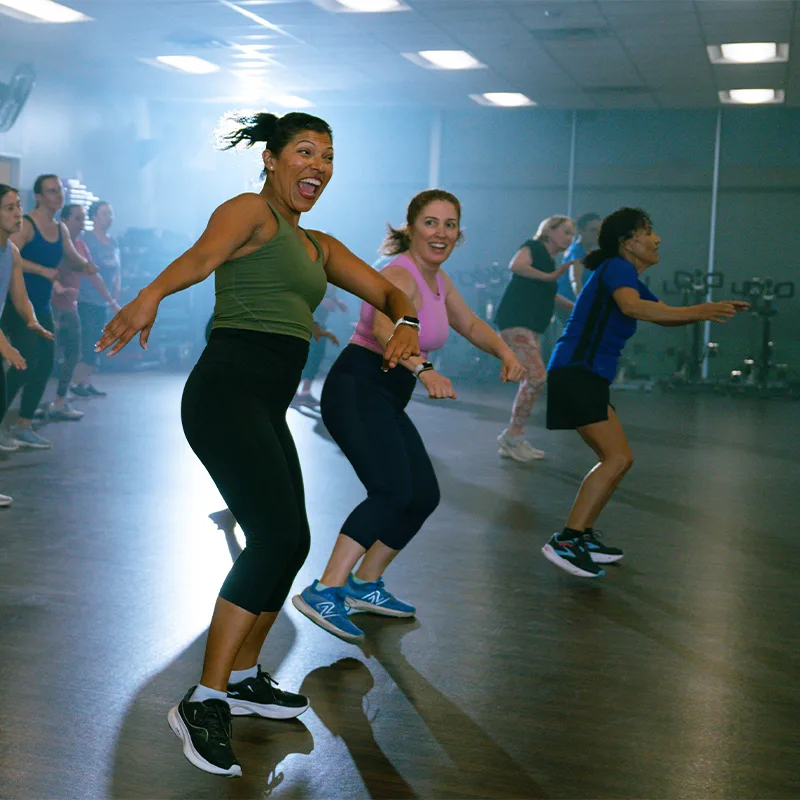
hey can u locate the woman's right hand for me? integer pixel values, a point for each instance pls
(137, 316)
(439, 387)
(721, 311)
(13, 356)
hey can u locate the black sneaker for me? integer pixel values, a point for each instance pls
(572, 556)
(94, 392)
(79, 390)
(205, 730)
(260, 696)
(600, 552)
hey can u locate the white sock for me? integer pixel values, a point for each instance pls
(319, 586)
(202, 693)
(239, 675)
(358, 580)
(515, 438)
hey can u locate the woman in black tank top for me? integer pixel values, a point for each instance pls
(234, 413)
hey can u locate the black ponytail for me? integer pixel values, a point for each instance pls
(614, 230)
(275, 132)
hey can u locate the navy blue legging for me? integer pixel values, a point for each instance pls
(234, 417)
(363, 408)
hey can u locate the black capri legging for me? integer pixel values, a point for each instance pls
(363, 408)
(234, 417)
(39, 354)
(93, 319)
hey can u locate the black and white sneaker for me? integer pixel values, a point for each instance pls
(260, 696)
(571, 556)
(600, 552)
(205, 730)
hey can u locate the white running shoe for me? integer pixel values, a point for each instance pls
(64, 412)
(5, 500)
(518, 449)
(8, 444)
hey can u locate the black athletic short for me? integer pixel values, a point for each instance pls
(576, 396)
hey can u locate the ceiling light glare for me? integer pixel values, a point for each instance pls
(191, 64)
(449, 59)
(748, 53)
(41, 11)
(503, 99)
(752, 96)
(371, 6)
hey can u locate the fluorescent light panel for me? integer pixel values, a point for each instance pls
(752, 97)
(503, 99)
(749, 53)
(191, 64)
(362, 6)
(444, 59)
(41, 11)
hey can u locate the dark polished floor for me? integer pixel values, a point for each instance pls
(674, 677)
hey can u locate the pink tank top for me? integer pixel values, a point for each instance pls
(434, 326)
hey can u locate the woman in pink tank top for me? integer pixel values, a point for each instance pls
(363, 408)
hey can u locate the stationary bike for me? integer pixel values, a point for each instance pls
(693, 289)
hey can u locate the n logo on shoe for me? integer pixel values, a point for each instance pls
(375, 598)
(327, 610)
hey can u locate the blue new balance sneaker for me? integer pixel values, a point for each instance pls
(374, 597)
(326, 608)
(572, 556)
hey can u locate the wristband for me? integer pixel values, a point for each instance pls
(412, 321)
(425, 366)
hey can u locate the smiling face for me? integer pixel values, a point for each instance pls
(10, 214)
(642, 248)
(434, 233)
(300, 173)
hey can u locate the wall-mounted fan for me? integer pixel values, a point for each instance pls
(14, 94)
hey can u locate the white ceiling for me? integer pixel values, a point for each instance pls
(561, 53)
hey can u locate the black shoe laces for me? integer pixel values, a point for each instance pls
(217, 721)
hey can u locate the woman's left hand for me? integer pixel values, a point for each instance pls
(402, 344)
(511, 370)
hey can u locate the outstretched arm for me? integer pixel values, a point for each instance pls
(632, 305)
(347, 271)
(234, 224)
(522, 264)
(465, 321)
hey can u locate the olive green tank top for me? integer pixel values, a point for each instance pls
(274, 289)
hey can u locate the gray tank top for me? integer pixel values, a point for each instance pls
(6, 266)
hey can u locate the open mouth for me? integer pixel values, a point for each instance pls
(309, 188)
(438, 246)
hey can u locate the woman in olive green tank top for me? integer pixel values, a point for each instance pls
(270, 276)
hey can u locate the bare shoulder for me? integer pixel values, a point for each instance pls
(325, 240)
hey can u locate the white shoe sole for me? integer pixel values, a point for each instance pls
(194, 758)
(603, 558)
(244, 708)
(505, 452)
(553, 557)
(29, 446)
(12, 449)
(362, 605)
(5, 502)
(317, 618)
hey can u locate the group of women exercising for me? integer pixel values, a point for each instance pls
(270, 276)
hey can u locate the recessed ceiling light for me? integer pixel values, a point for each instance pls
(444, 59)
(41, 11)
(752, 96)
(362, 6)
(749, 53)
(503, 99)
(193, 64)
